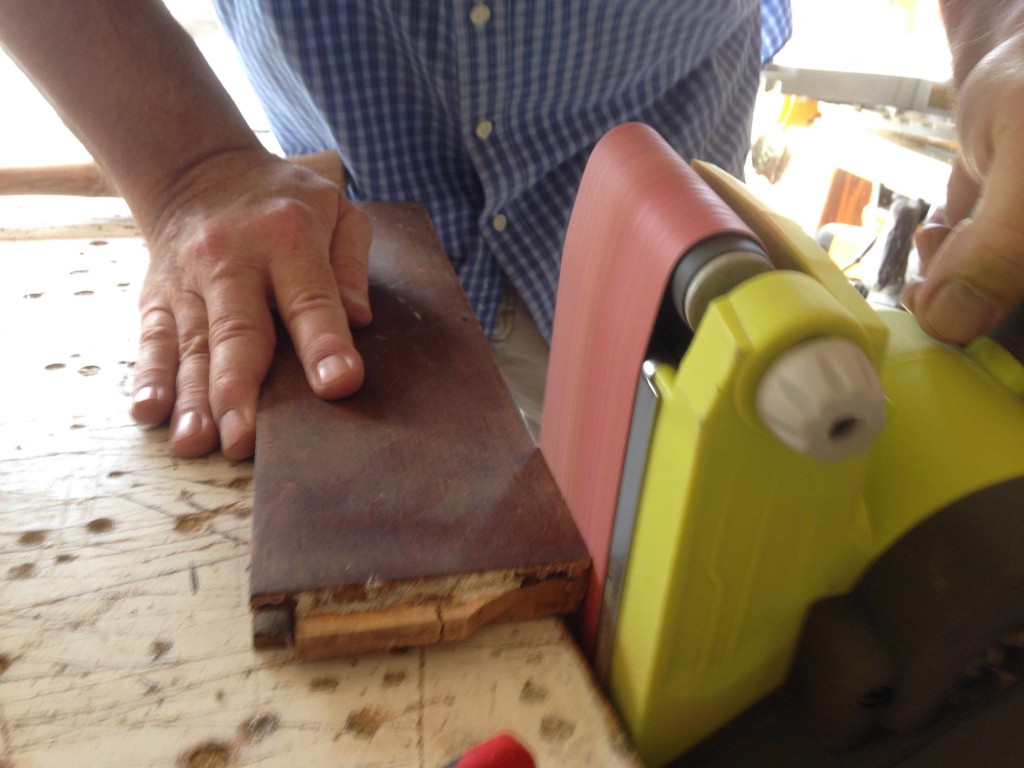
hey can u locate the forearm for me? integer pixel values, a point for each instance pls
(131, 84)
(975, 27)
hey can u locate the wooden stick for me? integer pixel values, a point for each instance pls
(88, 180)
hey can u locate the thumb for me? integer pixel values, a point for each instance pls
(976, 276)
(975, 279)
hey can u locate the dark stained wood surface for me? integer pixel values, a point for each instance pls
(422, 487)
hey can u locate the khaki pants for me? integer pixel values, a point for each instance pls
(523, 358)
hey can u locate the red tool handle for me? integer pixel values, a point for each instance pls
(502, 751)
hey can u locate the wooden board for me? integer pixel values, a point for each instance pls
(419, 509)
(125, 631)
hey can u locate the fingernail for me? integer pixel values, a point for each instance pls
(188, 425)
(145, 395)
(234, 428)
(937, 215)
(959, 313)
(332, 368)
(909, 293)
(354, 296)
(928, 239)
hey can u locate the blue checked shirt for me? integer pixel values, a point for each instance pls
(486, 110)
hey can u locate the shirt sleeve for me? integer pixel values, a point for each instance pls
(776, 27)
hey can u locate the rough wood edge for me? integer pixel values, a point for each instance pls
(273, 627)
(327, 635)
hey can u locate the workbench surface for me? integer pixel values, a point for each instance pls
(125, 635)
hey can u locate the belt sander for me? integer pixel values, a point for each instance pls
(776, 482)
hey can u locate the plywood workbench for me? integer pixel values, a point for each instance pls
(125, 634)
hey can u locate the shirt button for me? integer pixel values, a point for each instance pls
(480, 14)
(484, 129)
(499, 222)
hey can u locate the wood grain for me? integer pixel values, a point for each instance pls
(125, 633)
(422, 490)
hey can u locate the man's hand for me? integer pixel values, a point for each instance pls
(972, 254)
(240, 234)
(233, 231)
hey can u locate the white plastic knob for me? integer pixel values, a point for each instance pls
(823, 399)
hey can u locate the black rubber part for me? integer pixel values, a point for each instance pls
(1010, 334)
(878, 680)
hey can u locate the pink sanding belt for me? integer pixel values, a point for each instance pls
(640, 208)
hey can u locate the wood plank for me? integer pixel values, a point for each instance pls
(89, 180)
(423, 490)
(125, 634)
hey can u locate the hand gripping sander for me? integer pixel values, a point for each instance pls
(766, 470)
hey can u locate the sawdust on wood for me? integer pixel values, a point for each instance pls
(323, 684)
(100, 525)
(32, 538)
(555, 728)
(212, 754)
(364, 723)
(256, 729)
